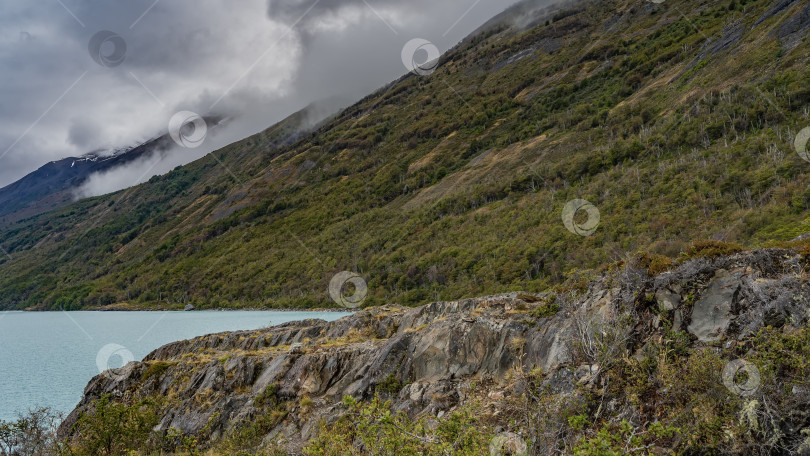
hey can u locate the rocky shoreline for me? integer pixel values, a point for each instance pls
(431, 360)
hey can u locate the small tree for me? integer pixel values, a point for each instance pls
(33, 434)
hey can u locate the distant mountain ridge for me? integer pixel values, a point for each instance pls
(55, 184)
(52, 186)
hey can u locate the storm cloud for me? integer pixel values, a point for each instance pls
(252, 60)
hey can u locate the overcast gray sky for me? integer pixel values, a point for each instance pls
(265, 59)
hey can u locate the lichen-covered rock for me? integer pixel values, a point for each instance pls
(713, 311)
(667, 299)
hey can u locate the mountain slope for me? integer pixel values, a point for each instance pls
(676, 120)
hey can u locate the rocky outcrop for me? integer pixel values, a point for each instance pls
(425, 359)
(794, 30)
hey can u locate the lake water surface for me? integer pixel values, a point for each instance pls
(47, 358)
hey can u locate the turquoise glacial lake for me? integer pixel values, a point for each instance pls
(47, 358)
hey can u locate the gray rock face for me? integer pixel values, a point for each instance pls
(712, 313)
(794, 30)
(431, 353)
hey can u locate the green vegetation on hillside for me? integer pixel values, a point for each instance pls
(675, 120)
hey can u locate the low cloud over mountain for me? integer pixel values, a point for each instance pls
(258, 62)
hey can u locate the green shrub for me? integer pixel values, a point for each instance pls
(112, 428)
(710, 249)
(379, 431)
(155, 369)
(390, 385)
(623, 439)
